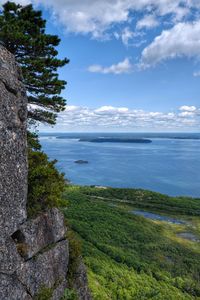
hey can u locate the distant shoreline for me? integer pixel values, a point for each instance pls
(122, 138)
(116, 140)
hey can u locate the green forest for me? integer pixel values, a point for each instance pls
(132, 257)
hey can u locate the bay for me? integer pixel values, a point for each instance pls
(170, 164)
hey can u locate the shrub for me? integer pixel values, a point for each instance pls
(74, 255)
(45, 183)
(44, 294)
(69, 294)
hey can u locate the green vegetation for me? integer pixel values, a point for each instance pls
(69, 294)
(148, 200)
(129, 256)
(44, 294)
(45, 183)
(75, 251)
(22, 30)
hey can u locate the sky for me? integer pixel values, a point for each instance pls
(134, 64)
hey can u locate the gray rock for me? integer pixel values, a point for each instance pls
(13, 158)
(80, 283)
(10, 259)
(46, 229)
(12, 289)
(47, 269)
(59, 291)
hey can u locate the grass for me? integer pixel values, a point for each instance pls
(129, 256)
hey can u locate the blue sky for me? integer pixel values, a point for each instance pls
(134, 64)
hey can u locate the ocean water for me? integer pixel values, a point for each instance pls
(170, 164)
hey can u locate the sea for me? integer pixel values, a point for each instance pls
(170, 164)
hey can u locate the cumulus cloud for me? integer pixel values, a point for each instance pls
(110, 109)
(96, 17)
(189, 113)
(188, 108)
(183, 40)
(123, 118)
(149, 21)
(120, 68)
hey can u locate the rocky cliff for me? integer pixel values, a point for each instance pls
(34, 253)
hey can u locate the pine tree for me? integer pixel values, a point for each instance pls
(22, 30)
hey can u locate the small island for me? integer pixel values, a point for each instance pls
(81, 162)
(116, 140)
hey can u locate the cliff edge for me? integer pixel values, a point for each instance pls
(34, 254)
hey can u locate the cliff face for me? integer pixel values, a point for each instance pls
(34, 254)
(13, 161)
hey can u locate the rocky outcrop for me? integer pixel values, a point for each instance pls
(80, 282)
(13, 159)
(34, 253)
(47, 269)
(47, 229)
(33, 258)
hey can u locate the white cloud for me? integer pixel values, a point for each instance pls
(111, 109)
(149, 21)
(127, 35)
(120, 68)
(22, 2)
(130, 38)
(182, 40)
(188, 108)
(189, 112)
(96, 17)
(186, 114)
(123, 118)
(32, 107)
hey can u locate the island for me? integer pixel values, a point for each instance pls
(116, 140)
(81, 162)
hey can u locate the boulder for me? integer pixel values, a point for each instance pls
(36, 234)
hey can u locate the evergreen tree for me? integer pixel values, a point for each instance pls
(22, 30)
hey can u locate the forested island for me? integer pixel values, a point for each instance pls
(116, 140)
